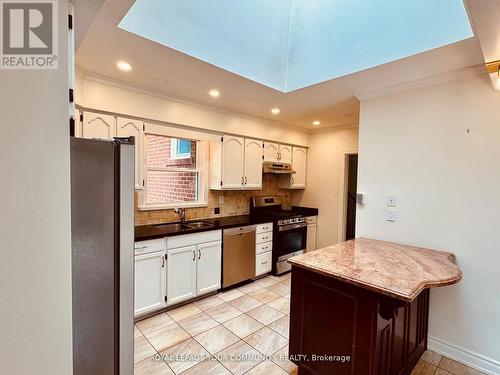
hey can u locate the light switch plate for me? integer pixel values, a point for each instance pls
(391, 200)
(390, 214)
(360, 198)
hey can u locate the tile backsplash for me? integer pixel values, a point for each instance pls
(235, 203)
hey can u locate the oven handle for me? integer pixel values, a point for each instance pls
(291, 226)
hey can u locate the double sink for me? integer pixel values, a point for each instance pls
(185, 226)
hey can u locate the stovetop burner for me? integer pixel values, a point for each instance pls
(271, 207)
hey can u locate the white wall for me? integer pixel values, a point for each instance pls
(324, 170)
(35, 270)
(415, 145)
(112, 97)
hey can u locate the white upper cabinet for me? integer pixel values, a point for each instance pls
(235, 164)
(299, 165)
(253, 164)
(98, 125)
(285, 154)
(133, 128)
(233, 156)
(271, 151)
(208, 267)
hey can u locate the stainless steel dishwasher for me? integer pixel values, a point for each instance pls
(238, 255)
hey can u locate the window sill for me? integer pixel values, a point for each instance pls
(172, 206)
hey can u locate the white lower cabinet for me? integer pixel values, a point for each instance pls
(193, 265)
(150, 282)
(263, 248)
(181, 274)
(208, 271)
(263, 263)
(312, 226)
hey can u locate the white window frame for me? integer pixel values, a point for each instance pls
(173, 150)
(201, 170)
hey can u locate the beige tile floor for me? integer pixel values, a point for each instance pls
(250, 321)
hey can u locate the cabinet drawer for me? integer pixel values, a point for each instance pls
(263, 228)
(264, 237)
(150, 246)
(263, 247)
(263, 263)
(193, 239)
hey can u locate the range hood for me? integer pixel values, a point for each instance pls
(277, 168)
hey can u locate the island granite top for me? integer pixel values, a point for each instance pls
(396, 270)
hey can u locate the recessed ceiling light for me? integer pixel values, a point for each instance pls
(316, 123)
(275, 111)
(123, 65)
(214, 93)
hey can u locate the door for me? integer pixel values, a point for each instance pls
(298, 180)
(233, 150)
(133, 128)
(150, 282)
(285, 154)
(253, 164)
(98, 125)
(181, 274)
(271, 152)
(311, 237)
(208, 267)
(352, 183)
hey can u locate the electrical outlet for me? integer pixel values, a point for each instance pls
(390, 214)
(221, 199)
(391, 200)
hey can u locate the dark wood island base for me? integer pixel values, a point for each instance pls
(361, 307)
(352, 330)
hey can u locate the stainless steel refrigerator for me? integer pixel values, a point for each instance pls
(102, 227)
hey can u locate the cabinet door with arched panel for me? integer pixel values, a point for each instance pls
(98, 125)
(133, 128)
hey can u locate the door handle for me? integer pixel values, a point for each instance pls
(242, 181)
(246, 180)
(194, 255)
(163, 262)
(293, 181)
(199, 254)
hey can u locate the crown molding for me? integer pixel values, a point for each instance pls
(353, 125)
(94, 77)
(423, 82)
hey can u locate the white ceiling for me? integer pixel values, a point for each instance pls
(160, 69)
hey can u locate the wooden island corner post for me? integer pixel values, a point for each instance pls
(362, 307)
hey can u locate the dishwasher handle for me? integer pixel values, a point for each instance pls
(239, 230)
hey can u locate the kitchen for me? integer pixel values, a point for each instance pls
(252, 188)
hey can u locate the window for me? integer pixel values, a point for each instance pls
(173, 173)
(180, 149)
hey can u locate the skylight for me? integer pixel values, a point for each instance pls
(291, 44)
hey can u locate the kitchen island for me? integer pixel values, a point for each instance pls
(362, 307)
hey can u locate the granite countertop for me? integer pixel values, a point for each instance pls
(151, 231)
(396, 270)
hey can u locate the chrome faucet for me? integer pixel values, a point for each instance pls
(182, 214)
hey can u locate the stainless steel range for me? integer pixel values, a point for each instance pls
(290, 230)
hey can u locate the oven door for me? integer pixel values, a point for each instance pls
(290, 240)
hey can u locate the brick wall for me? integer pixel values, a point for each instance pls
(169, 187)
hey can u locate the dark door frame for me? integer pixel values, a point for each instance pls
(344, 178)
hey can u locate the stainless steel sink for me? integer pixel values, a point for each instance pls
(174, 227)
(198, 224)
(177, 227)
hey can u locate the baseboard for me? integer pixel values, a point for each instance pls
(465, 356)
